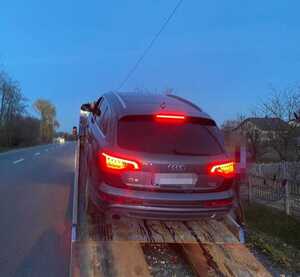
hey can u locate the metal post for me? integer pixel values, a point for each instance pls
(259, 170)
(287, 198)
(249, 189)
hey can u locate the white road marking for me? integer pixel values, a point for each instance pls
(18, 161)
(37, 154)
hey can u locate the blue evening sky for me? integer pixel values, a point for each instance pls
(223, 55)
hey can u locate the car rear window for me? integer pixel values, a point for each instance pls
(145, 134)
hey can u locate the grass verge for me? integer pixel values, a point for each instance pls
(4, 149)
(275, 234)
(22, 146)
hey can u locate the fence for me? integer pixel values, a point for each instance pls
(282, 170)
(283, 194)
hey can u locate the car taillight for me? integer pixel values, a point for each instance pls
(223, 169)
(113, 162)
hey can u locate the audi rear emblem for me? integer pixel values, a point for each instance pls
(176, 167)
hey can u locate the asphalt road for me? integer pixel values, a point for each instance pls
(35, 210)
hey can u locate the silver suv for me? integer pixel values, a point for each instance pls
(156, 156)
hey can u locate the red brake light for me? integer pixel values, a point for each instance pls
(170, 116)
(223, 169)
(113, 162)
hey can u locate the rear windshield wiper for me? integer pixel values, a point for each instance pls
(189, 153)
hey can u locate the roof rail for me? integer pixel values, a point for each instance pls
(185, 101)
(120, 99)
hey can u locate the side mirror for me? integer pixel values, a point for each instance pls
(92, 108)
(86, 107)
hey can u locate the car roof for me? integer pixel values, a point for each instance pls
(136, 103)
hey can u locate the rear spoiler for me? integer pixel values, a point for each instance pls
(192, 119)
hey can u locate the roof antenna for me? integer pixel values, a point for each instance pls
(163, 105)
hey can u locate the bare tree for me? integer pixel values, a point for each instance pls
(254, 142)
(12, 106)
(238, 132)
(231, 124)
(47, 113)
(2, 95)
(283, 104)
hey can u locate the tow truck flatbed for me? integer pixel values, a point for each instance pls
(109, 246)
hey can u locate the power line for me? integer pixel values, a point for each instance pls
(150, 45)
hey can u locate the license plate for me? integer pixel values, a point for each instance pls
(181, 179)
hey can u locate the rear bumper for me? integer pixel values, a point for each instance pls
(158, 205)
(161, 213)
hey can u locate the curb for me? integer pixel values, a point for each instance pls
(75, 207)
